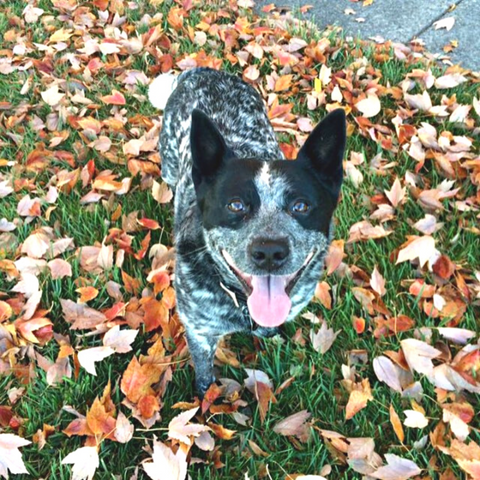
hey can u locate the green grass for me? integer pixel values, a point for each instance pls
(316, 387)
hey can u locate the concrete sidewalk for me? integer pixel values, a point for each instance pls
(402, 21)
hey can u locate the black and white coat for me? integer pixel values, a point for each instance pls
(216, 145)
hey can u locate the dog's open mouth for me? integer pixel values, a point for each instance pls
(268, 299)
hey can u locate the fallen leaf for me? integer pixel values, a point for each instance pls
(166, 464)
(397, 468)
(119, 340)
(180, 429)
(358, 399)
(419, 355)
(457, 335)
(377, 282)
(370, 106)
(396, 424)
(52, 96)
(421, 248)
(446, 23)
(88, 357)
(85, 462)
(294, 425)
(123, 429)
(324, 338)
(415, 419)
(396, 194)
(59, 268)
(10, 456)
(116, 98)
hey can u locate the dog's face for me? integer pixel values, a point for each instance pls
(266, 222)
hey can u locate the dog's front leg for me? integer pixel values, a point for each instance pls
(202, 349)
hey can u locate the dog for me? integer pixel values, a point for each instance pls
(251, 229)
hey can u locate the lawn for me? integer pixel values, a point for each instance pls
(381, 371)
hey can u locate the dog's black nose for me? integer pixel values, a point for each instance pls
(269, 254)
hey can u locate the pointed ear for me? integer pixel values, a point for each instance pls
(208, 147)
(324, 149)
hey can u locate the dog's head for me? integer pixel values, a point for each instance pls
(266, 221)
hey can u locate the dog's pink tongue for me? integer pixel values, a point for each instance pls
(269, 304)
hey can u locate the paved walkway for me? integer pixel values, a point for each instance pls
(402, 21)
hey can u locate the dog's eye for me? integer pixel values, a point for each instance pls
(236, 206)
(300, 207)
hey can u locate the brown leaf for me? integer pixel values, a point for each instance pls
(137, 380)
(294, 425)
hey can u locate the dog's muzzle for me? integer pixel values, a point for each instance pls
(268, 299)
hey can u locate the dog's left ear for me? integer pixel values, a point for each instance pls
(324, 149)
(208, 147)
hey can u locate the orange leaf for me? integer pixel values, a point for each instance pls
(132, 285)
(99, 420)
(284, 82)
(358, 398)
(148, 223)
(396, 424)
(358, 324)
(148, 405)
(322, 293)
(138, 379)
(116, 98)
(86, 294)
(156, 314)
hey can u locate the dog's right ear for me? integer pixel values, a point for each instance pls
(208, 147)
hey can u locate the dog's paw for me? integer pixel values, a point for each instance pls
(265, 332)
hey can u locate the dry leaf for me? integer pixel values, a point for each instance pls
(85, 462)
(421, 248)
(415, 419)
(294, 425)
(10, 456)
(123, 429)
(370, 106)
(377, 282)
(180, 429)
(446, 23)
(419, 355)
(397, 469)
(397, 194)
(323, 339)
(396, 424)
(89, 356)
(166, 464)
(358, 398)
(120, 340)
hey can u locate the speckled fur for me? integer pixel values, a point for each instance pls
(202, 274)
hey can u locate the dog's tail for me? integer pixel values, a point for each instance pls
(161, 89)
